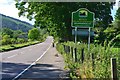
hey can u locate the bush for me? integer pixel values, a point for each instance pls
(101, 66)
(13, 41)
(34, 34)
(6, 40)
(20, 40)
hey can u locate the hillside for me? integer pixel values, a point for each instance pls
(15, 24)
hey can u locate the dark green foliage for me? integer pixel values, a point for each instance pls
(9, 36)
(113, 30)
(117, 16)
(7, 31)
(19, 34)
(56, 16)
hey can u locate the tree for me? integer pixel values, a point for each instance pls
(117, 25)
(117, 20)
(17, 34)
(33, 34)
(56, 17)
(7, 31)
(113, 31)
(6, 39)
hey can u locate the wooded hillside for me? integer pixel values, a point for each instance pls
(15, 24)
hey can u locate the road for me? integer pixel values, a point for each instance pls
(49, 67)
(16, 62)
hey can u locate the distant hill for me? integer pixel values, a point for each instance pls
(15, 24)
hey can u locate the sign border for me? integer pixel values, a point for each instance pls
(81, 26)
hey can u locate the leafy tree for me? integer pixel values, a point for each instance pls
(117, 21)
(117, 16)
(56, 16)
(13, 40)
(6, 40)
(20, 40)
(8, 36)
(33, 34)
(116, 25)
(113, 31)
(7, 31)
(17, 33)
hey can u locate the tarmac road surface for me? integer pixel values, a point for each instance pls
(16, 62)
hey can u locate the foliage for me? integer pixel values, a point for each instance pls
(20, 40)
(114, 29)
(101, 66)
(16, 46)
(34, 34)
(6, 40)
(7, 31)
(56, 16)
(13, 40)
(117, 16)
(10, 36)
(18, 34)
(117, 22)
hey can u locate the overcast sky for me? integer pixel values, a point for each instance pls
(7, 7)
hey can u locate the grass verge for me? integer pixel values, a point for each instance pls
(88, 70)
(16, 46)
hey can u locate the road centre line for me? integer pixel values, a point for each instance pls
(31, 64)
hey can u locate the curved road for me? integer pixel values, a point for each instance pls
(16, 62)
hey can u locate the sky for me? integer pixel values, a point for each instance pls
(7, 7)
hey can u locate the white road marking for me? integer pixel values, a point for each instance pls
(31, 64)
(12, 56)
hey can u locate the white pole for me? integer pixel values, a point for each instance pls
(75, 36)
(89, 41)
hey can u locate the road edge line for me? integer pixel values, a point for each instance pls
(32, 63)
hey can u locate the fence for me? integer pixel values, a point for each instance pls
(73, 52)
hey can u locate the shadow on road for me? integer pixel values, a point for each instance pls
(43, 72)
(10, 70)
(36, 72)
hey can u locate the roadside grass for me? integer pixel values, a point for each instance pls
(16, 46)
(102, 55)
(9, 47)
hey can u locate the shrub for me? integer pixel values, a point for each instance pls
(20, 40)
(6, 40)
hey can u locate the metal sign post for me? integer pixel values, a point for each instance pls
(75, 49)
(89, 40)
(75, 36)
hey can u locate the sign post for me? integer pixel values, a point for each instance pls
(89, 41)
(75, 36)
(83, 18)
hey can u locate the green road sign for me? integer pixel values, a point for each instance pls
(82, 18)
